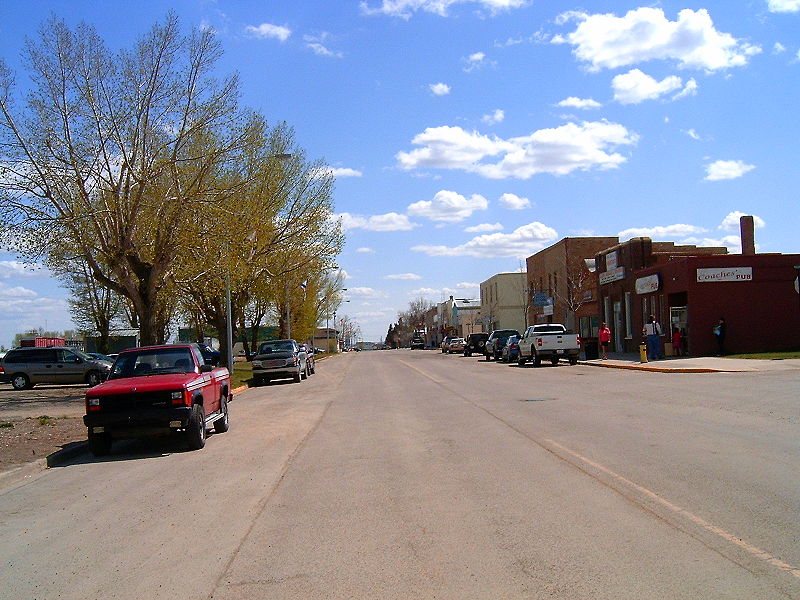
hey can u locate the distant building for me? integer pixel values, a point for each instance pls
(503, 302)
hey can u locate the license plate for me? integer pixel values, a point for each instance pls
(559, 352)
(275, 363)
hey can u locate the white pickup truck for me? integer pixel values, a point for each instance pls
(548, 341)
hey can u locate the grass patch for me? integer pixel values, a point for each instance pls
(7, 425)
(45, 420)
(767, 355)
(242, 374)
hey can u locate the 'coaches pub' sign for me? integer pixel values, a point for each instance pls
(725, 274)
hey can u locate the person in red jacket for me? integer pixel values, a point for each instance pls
(604, 334)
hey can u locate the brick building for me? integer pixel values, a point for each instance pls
(562, 284)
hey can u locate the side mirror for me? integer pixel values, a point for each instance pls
(206, 368)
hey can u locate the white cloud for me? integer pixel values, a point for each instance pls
(778, 48)
(493, 118)
(267, 30)
(317, 44)
(514, 202)
(635, 86)
(690, 89)
(558, 151)
(406, 8)
(404, 276)
(693, 134)
(658, 233)
(476, 61)
(727, 169)
(784, 5)
(439, 89)
(15, 293)
(580, 103)
(607, 41)
(365, 250)
(14, 268)
(388, 222)
(731, 221)
(448, 207)
(520, 243)
(366, 292)
(336, 172)
(484, 227)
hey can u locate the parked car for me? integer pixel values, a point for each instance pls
(456, 345)
(417, 343)
(548, 341)
(210, 355)
(25, 367)
(279, 359)
(510, 351)
(99, 356)
(310, 352)
(475, 343)
(158, 390)
(496, 342)
(445, 343)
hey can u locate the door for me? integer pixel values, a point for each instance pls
(70, 367)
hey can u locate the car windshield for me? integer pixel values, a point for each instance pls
(152, 362)
(281, 346)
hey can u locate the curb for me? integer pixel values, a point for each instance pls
(641, 367)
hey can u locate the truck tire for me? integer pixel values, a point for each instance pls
(521, 360)
(196, 428)
(573, 360)
(99, 443)
(554, 361)
(297, 376)
(20, 381)
(537, 361)
(222, 425)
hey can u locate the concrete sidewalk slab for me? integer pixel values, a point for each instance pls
(699, 364)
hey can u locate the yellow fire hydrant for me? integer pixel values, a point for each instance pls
(643, 352)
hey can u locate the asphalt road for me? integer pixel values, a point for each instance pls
(411, 474)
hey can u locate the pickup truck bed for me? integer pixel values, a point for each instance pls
(548, 342)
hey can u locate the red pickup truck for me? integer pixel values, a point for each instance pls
(158, 390)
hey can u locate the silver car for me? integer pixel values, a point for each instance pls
(25, 367)
(280, 359)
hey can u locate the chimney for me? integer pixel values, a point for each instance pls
(748, 235)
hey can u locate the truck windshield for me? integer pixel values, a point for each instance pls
(270, 347)
(152, 362)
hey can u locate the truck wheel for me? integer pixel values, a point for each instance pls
(93, 378)
(521, 360)
(537, 361)
(467, 353)
(222, 425)
(99, 443)
(20, 381)
(196, 428)
(554, 361)
(297, 377)
(573, 360)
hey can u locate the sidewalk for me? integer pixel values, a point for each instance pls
(692, 364)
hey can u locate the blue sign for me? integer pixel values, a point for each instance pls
(542, 300)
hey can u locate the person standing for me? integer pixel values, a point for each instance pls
(677, 342)
(652, 332)
(720, 329)
(604, 334)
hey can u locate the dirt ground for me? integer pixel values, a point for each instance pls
(24, 440)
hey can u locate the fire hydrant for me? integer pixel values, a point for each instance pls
(643, 352)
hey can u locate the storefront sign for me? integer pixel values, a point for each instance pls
(540, 299)
(611, 261)
(613, 275)
(725, 274)
(647, 285)
(548, 310)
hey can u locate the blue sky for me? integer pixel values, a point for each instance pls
(468, 134)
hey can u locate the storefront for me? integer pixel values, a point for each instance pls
(755, 295)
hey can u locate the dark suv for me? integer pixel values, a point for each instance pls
(496, 343)
(25, 367)
(475, 343)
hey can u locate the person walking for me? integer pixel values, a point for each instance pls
(652, 332)
(720, 329)
(604, 334)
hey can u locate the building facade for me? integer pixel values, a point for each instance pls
(563, 286)
(504, 301)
